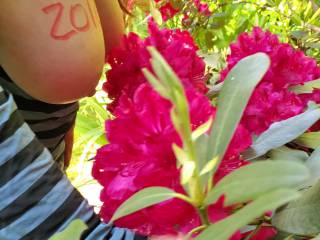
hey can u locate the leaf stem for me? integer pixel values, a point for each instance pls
(254, 232)
(203, 212)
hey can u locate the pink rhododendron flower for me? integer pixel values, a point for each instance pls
(272, 101)
(203, 8)
(168, 11)
(288, 66)
(269, 105)
(140, 155)
(177, 47)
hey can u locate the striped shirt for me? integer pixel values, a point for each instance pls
(50, 122)
(36, 198)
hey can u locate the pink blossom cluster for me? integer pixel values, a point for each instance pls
(126, 62)
(168, 11)
(145, 158)
(142, 134)
(272, 100)
(203, 8)
(140, 153)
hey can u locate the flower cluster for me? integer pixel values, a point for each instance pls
(272, 100)
(130, 163)
(203, 8)
(176, 46)
(168, 11)
(142, 134)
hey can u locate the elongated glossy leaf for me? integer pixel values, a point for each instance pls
(233, 99)
(254, 180)
(201, 145)
(301, 217)
(310, 140)
(282, 132)
(72, 232)
(202, 129)
(317, 237)
(145, 198)
(285, 153)
(227, 227)
(313, 163)
(308, 87)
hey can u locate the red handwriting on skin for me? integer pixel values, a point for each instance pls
(58, 8)
(74, 10)
(75, 27)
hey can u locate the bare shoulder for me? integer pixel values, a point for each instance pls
(46, 44)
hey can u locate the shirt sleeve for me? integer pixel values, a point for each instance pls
(37, 199)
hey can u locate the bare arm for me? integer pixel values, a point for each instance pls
(111, 17)
(53, 49)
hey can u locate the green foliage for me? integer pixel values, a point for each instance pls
(254, 180)
(72, 232)
(89, 136)
(145, 198)
(309, 140)
(268, 184)
(281, 133)
(227, 227)
(301, 217)
(285, 152)
(233, 98)
(296, 21)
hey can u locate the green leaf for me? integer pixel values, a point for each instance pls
(252, 181)
(171, 88)
(233, 99)
(307, 87)
(212, 60)
(316, 238)
(143, 199)
(301, 217)
(155, 83)
(281, 133)
(285, 153)
(155, 13)
(299, 34)
(314, 16)
(201, 145)
(72, 232)
(188, 168)
(309, 140)
(180, 154)
(202, 129)
(313, 163)
(227, 227)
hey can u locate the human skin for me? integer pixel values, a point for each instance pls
(55, 50)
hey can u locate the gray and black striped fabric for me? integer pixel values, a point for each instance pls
(50, 122)
(36, 198)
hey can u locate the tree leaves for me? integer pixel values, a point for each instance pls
(301, 217)
(145, 198)
(309, 140)
(281, 133)
(72, 232)
(233, 99)
(227, 227)
(254, 180)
